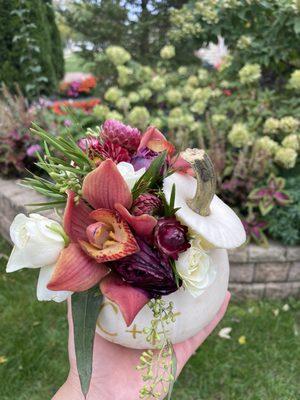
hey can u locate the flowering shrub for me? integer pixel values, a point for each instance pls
(17, 147)
(77, 84)
(250, 130)
(257, 32)
(60, 107)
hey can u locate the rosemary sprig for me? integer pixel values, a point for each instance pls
(66, 168)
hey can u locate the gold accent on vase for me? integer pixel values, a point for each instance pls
(134, 331)
(115, 309)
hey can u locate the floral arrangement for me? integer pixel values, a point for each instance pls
(143, 232)
(77, 84)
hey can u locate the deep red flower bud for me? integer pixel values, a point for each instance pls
(147, 270)
(146, 203)
(114, 151)
(170, 237)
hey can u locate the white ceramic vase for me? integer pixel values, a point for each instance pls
(192, 314)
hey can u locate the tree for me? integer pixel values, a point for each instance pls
(30, 50)
(256, 32)
(56, 42)
(140, 26)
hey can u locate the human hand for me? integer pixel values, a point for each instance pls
(114, 375)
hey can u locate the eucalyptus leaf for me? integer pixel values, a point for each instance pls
(151, 176)
(85, 311)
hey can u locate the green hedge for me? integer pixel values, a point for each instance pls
(30, 48)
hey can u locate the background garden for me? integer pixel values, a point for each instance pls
(223, 75)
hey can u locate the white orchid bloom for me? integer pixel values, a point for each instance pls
(200, 209)
(196, 269)
(37, 244)
(129, 174)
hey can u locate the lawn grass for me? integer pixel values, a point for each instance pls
(33, 359)
(74, 63)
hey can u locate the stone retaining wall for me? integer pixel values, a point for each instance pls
(255, 272)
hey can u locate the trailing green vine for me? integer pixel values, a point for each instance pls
(158, 366)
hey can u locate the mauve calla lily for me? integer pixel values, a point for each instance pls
(129, 299)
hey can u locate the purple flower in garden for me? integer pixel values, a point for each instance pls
(67, 123)
(147, 270)
(14, 134)
(73, 90)
(267, 197)
(123, 135)
(34, 148)
(254, 229)
(170, 237)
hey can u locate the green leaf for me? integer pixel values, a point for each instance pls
(297, 25)
(85, 311)
(150, 177)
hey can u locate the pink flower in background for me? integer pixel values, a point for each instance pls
(213, 54)
(68, 123)
(254, 229)
(270, 195)
(34, 148)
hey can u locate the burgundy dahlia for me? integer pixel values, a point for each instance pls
(123, 135)
(114, 151)
(170, 237)
(104, 150)
(89, 144)
(147, 270)
(146, 203)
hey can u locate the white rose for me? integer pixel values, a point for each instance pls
(37, 244)
(129, 174)
(196, 269)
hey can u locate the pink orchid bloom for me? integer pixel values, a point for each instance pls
(154, 140)
(101, 235)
